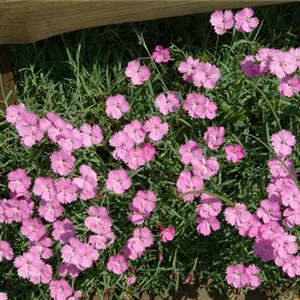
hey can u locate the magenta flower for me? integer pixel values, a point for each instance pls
(62, 162)
(209, 206)
(283, 142)
(118, 181)
(116, 106)
(249, 67)
(289, 86)
(63, 231)
(6, 251)
(234, 153)
(269, 210)
(66, 190)
(167, 234)
(137, 73)
(168, 102)
(149, 151)
(214, 137)
(60, 289)
(91, 135)
(19, 182)
(206, 75)
(282, 64)
(156, 128)
(135, 131)
(236, 276)
(117, 264)
(190, 152)
(221, 21)
(33, 229)
(188, 68)
(206, 226)
(253, 279)
(245, 20)
(161, 54)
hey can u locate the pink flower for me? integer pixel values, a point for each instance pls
(118, 181)
(283, 142)
(188, 68)
(282, 64)
(205, 226)
(3, 296)
(277, 169)
(236, 215)
(42, 248)
(284, 245)
(199, 106)
(135, 158)
(99, 220)
(65, 269)
(131, 280)
(269, 210)
(50, 210)
(161, 54)
(271, 230)
(137, 73)
(45, 188)
(236, 276)
(292, 266)
(91, 135)
(206, 168)
(168, 102)
(63, 231)
(123, 143)
(102, 241)
(214, 137)
(263, 249)
(156, 128)
(222, 21)
(60, 289)
(144, 202)
(135, 131)
(70, 140)
(265, 57)
(206, 75)
(209, 206)
(186, 183)
(245, 20)
(19, 182)
(291, 197)
(149, 151)
(33, 229)
(62, 162)
(6, 251)
(234, 153)
(14, 112)
(253, 279)
(292, 217)
(116, 106)
(249, 67)
(167, 234)
(66, 190)
(289, 86)
(295, 52)
(117, 264)
(190, 152)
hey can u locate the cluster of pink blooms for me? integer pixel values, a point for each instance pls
(282, 64)
(267, 227)
(100, 223)
(141, 206)
(62, 290)
(243, 21)
(240, 276)
(199, 73)
(208, 210)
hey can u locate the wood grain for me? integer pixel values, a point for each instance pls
(25, 21)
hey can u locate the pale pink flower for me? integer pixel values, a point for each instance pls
(245, 20)
(206, 226)
(70, 140)
(249, 67)
(42, 248)
(137, 73)
(161, 54)
(295, 52)
(289, 86)
(167, 234)
(91, 135)
(269, 210)
(214, 137)
(264, 56)
(206, 75)
(50, 210)
(234, 153)
(13, 113)
(144, 202)
(168, 102)
(118, 181)
(237, 215)
(284, 245)
(3, 296)
(271, 230)
(45, 188)
(190, 152)
(123, 143)
(116, 106)
(283, 142)
(62, 162)
(292, 217)
(206, 168)
(156, 128)
(149, 151)
(292, 266)
(60, 289)
(236, 276)
(209, 206)
(102, 241)
(66, 190)
(222, 21)
(253, 279)
(291, 197)
(6, 251)
(277, 168)
(117, 264)
(188, 68)
(19, 182)
(63, 231)
(33, 229)
(282, 64)
(135, 158)
(98, 220)
(135, 131)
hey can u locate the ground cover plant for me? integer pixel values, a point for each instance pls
(116, 124)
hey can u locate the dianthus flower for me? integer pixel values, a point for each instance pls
(236, 276)
(33, 229)
(277, 169)
(63, 231)
(206, 75)
(264, 56)
(269, 210)
(283, 142)
(137, 73)
(284, 245)
(117, 264)
(249, 67)
(253, 279)
(234, 153)
(190, 152)
(156, 128)
(214, 137)
(19, 182)
(45, 188)
(3, 296)
(135, 131)
(205, 226)
(221, 21)
(91, 135)
(50, 210)
(42, 248)
(292, 217)
(292, 266)
(237, 215)
(65, 269)
(98, 220)
(66, 190)
(168, 102)
(60, 289)
(161, 54)
(205, 168)
(295, 52)
(102, 241)
(144, 202)
(263, 249)
(13, 113)
(131, 280)
(118, 181)
(186, 183)
(188, 68)
(291, 197)
(270, 231)
(282, 64)
(135, 158)
(123, 143)
(70, 140)
(149, 151)
(116, 106)
(167, 234)
(62, 162)
(245, 20)
(209, 206)
(6, 251)
(289, 86)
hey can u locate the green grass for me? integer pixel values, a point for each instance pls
(73, 74)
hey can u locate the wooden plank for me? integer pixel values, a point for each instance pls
(25, 21)
(7, 85)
